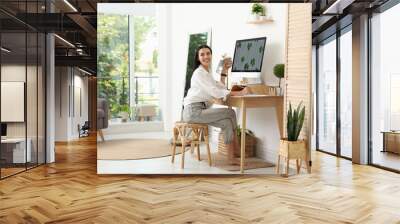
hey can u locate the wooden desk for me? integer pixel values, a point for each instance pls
(391, 141)
(13, 150)
(255, 101)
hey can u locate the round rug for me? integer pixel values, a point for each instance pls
(132, 149)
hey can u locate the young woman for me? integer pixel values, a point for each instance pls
(203, 90)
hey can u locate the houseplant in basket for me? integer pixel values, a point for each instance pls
(291, 147)
(251, 142)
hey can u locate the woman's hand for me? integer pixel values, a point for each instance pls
(243, 92)
(246, 91)
(227, 65)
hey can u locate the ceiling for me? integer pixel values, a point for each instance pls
(332, 15)
(75, 22)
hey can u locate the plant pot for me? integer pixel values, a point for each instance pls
(293, 149)
(279, 91)
(124, 116)
(256, 17)
(251, 142)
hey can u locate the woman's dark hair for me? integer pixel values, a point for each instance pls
(196, 56)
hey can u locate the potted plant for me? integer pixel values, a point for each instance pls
(295, 120)
(250, 141)
(279, 72)
(291, 147)
(258, 10)
(124, 112)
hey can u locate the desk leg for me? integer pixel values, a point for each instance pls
(243, 138)
(279, 117)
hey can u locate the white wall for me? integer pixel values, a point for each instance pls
(80, 82)
(163, 14)
(68, 81)
(61, 104)
(228, 24)
(33, 126)
(14, 73)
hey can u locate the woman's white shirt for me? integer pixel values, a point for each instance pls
(204, 88)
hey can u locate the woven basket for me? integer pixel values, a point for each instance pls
(251, 142)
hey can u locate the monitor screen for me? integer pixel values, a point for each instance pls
(249, 55)
(3, 129)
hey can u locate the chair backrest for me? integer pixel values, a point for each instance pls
(102, 104)
(102, 113)
(86, 125)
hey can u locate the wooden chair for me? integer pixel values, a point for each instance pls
(180, 132)
(288, 151)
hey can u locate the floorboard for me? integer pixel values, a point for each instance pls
(70, 191)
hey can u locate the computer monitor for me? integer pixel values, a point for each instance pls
(248, 57)
(3, 129)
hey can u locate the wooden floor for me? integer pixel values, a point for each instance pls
(387, 159)
(70, 191)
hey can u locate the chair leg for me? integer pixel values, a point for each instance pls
(196, 141)
(174, 145)
(208, 146)
(193, 140)
(192, 145)
(182, 132)
(173, 152)
(278, 164)
(198, 151)
(183, 152)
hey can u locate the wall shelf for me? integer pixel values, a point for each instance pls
(261, 21)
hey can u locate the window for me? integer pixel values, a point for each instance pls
(346, 93)
(385, 89)
(327, 96)
(22, 74)
(113, 62)
(394, 101)
(128, 68)
(334, 96)
(145, 99)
